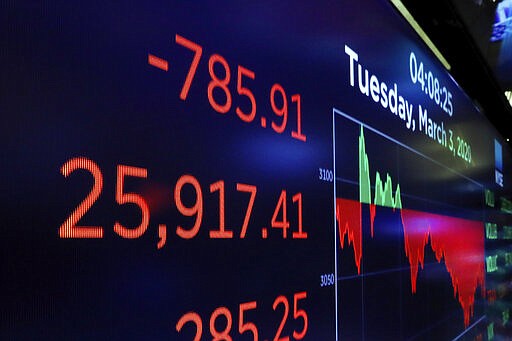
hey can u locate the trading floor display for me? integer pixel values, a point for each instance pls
(229, 170)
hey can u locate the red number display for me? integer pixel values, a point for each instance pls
(126, 198)
(185, 184)
(281, 206)
(69, 229)
(243, 91)
(281, 111)
(224, 334)
(221, 320)
(219, 94)
(247, 326)
(298, 134)
(299, 234)
(198, 51)
(219, 83)
(300, 313)
(221, 233)
(193, 318)
(282, 300)
(252, 190)
(194, 210)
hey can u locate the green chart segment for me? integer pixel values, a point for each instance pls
(384, 195)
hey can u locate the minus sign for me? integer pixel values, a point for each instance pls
(160, 63)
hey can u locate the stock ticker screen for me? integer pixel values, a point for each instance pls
(234, 170)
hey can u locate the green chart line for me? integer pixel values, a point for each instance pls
(383, 190)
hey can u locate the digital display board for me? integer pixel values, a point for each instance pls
(241, 171)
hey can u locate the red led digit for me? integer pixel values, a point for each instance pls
(281, 206)
(284, 301)
(279, 111)
(125, 198)
(252, 190)
(300, 313)
(298, 134)
(224, 334)
(299, 234)
(245, 92)
(69, 229)
(221, 233)
(198, 50)
(219, 83)
(193, 318)
(247, 326)
(196, 209)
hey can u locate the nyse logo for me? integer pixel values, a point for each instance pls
(498, 159)
(499, 178)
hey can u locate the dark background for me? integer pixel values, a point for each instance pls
(76, 82)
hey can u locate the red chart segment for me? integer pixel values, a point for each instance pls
(460, 242)
(348, 216)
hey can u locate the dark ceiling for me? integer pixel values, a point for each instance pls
(445, 22)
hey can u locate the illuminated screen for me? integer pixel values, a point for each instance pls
(502, 20)
(227, 170)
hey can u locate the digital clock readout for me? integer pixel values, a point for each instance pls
(430, 84)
